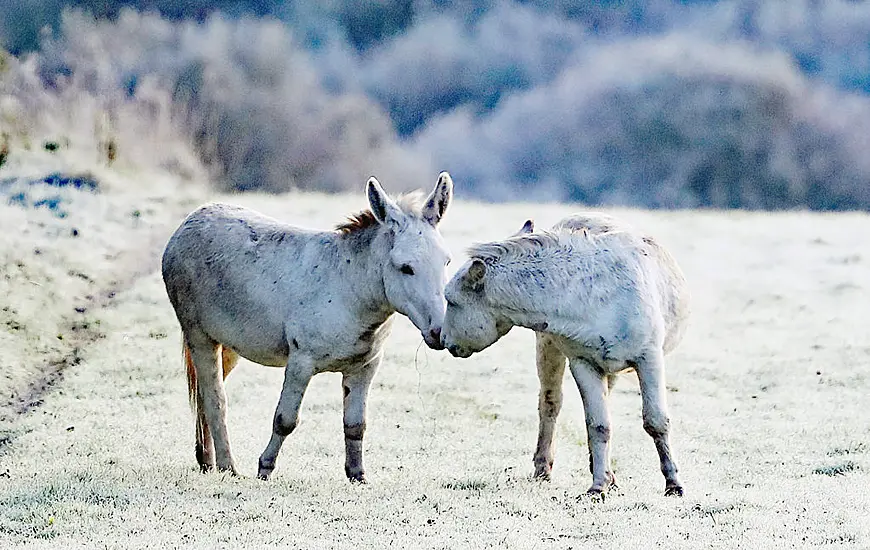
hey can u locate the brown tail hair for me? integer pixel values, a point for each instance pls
(191, 377)
(229, 359)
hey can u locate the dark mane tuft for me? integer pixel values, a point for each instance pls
(357, 222)
(518, 246)
(409, 203)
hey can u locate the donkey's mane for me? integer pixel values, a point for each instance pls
(517, 247)
(410, 203)
(357, 222)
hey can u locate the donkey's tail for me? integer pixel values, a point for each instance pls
(191, 377)
(229, 359)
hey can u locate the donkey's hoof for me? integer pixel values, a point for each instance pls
(542, 471)
(595, 494)
(541, 476)
(228, 469)
(359, 477)
(673, 491)
(204, 459)
(265, 469)
(598, 493)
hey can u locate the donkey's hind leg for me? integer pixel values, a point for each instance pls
(551, 370)
(651, 375)
(204, 442)
(211, 400)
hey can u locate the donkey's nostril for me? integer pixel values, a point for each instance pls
(433, 339)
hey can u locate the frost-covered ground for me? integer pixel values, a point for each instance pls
(768, 393)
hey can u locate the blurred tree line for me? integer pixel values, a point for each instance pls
(661, 103)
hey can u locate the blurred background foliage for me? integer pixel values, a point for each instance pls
(658, 103)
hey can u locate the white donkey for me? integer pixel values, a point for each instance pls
(309, 301)
(596, 291)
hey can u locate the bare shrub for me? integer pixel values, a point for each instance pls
(669, 122)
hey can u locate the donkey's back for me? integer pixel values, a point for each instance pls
(226, 270)
(672, 289)
(220, 234)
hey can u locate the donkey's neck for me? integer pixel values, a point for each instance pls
(363, 256)
(520, 298)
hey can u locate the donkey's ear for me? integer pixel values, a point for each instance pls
(473, 279)
(527, 227)
(439, 200)
(383, 207)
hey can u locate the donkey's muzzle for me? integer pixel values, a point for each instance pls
(433, 338)
(456, 351)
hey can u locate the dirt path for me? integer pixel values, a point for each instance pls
(79, 328)
(66, 262)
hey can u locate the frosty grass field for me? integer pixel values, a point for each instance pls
(769, 395)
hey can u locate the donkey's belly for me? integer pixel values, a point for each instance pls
(256, 341)
(263, 357)
(270, 356)
(604, 356)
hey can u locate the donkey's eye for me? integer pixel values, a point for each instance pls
(406, 269)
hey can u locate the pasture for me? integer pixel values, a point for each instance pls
(769, 393)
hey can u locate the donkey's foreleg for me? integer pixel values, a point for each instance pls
(211, 404)
(297, 375)
(551, 370)
(355, 386)
(593, 390)
(651, 374)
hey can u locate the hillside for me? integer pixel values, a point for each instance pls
(73, 234)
